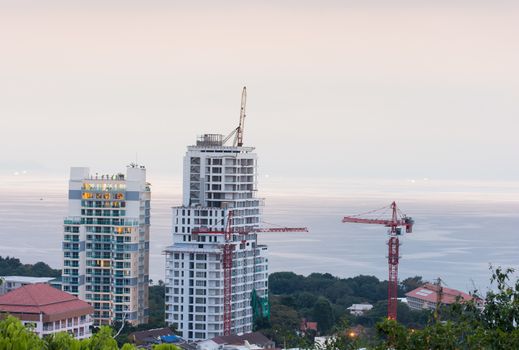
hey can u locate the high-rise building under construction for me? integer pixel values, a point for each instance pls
(205, 299)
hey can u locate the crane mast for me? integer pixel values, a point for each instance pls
(228, 248)
(394, 224)
(238, 131)
(241, 126)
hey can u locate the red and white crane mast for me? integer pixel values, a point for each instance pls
(394, 224)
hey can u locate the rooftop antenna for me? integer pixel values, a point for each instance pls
(238, 132)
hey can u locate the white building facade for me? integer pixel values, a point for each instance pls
(217, 179)
(106, 243)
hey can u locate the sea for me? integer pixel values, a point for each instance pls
(461, 227)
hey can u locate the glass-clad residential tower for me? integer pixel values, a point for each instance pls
(106, 243)
(217, 179)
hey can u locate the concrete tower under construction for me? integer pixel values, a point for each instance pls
(203, 298)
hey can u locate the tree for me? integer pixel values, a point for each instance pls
(341, 339)
(411, 283)
(13, 267)
(285, 282)
(283, 325)
(103, 340)
(300, 293)
(15, 336)
(305, 300)
(502, 307)
(165, 347)
(323, 314)
(157, 305)
(61, 341)
(469, 325)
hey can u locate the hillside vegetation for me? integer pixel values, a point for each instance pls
(13, 267)
(324, 299)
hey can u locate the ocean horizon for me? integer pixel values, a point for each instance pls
(461, 226)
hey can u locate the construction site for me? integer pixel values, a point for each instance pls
(216, 271)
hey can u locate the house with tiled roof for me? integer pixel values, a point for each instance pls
(12, 282)
(48, 310)
(307, 326)
(426, 296)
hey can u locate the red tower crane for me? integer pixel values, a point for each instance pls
(394, 224)
(228, 249)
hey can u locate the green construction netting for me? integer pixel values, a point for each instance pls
(260, 306)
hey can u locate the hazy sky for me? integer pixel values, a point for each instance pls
(380, 89)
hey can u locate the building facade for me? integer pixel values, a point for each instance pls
(48, 310)
(218, 179)
(106, 243)
(428, 296)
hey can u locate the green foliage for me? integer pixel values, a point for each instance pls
(157, 311)
(128, 347)
(165, 347)
(323, 314)
(283, 324)
(13, 267)
(102, 340)
(406, 316)
(469, 326)
(15, 336)
(344, 292)
(62, 341)
(324, 298)
(445, 335)
(490, 325)
(411, 283)
(502, 307)
(341, 339)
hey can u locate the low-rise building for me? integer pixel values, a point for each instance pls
(359, 309)
(426, 297)
(307, 326)
(48, 310)
(10, 283)
(154, 336)
(247, 341)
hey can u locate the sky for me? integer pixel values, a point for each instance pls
(336, 89)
